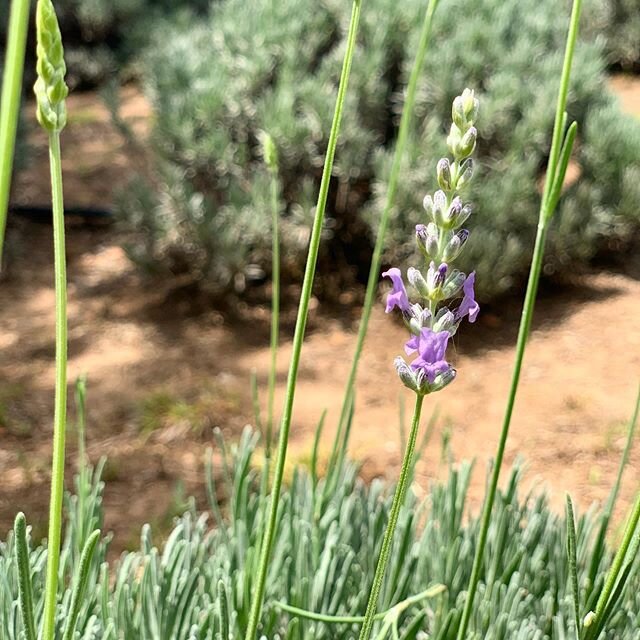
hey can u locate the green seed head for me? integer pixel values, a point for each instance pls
(270, 152)
(50, 87)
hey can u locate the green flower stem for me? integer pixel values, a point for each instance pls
(10, 103)
(275, 307)
(301, 323)
(396, 505)
(615, 490)
(341, 441)
(60, 415)
(596, 625)
(561, 106)
(547, 207)
(396, 609)
(600, 540)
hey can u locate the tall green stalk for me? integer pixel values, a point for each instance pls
(51, 91)
(301, 323)
(559, 156)
(10, 103)
(342, 436)
(60, 414)
(617, 575)
(271, 159)
(396, 505)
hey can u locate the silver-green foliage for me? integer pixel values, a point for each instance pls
(512, 51)
(617, 24)
(102, 36)
(216, 83)
(323, 562)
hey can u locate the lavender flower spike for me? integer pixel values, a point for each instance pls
(431, 352)
(398, 296)
(468, 306)
(438, 311)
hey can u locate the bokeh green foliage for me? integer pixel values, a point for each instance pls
(215, 84)
(323, 559)
(512, 52)
(616, 23)
(102, 37)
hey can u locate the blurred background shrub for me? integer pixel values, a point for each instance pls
(617, 24)
(102, 37)
(215, 83)
(218, 73)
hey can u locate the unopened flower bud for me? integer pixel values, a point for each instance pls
(50, 87)
(453, 212)
(427, 238)
(443, 379)
(439, 207)
(457, 112)
(417, 280)
(470, 105)
(427, 203)
(421, 233)
(467, 144)
(436, 277)
(466, 173)
(412, 317)
(425, 318)
(455, 244)
(453, 284)
(419, 319)
(454, 138)
(443, 171)
(445, 320)
(405, 374)
(466, 211)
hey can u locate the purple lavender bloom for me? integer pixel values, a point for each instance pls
(431, 347)
(398, 296)
(468, 306)
(411, 345)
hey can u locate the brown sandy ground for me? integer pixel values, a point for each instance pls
(163, 371)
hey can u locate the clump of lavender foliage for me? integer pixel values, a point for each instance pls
(445, 295)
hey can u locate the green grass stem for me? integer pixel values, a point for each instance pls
(10, 103)
(396, 506)
(60, 413)
(555, 175)
(301, 323)
(342, 437)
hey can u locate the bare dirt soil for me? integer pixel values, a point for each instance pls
(164, 368)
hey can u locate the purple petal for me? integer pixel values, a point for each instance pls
(411, 345)
(468, 306)
(431, 352)
(398, 296)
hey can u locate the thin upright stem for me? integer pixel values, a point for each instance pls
(611, 501)
(618, 561)
(561, 105)
(396, 505)
(10, 103)
(60, 414)
(341, 440)
(301, 323)
(546, 211)
(275, 306)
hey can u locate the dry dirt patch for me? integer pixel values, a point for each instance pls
(164, 371)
